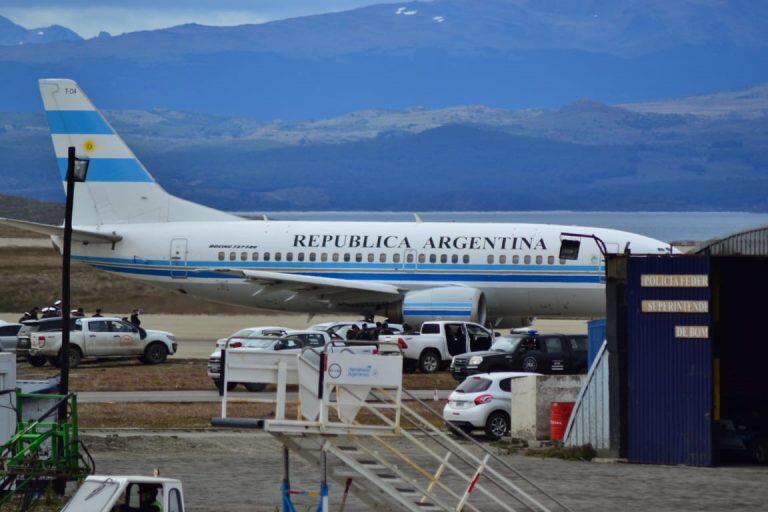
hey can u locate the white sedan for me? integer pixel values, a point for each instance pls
(483, 401)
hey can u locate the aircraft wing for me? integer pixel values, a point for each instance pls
(362, 290)
(79, 235)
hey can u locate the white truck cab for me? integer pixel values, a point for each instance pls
(104, 337)
(111, 493)
(438, 342)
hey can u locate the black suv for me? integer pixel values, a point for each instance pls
(526, 352)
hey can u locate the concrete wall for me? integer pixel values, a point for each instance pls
(531, 397)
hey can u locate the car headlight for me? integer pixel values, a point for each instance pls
(475, 360)
(172, 337)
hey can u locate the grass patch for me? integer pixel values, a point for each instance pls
(175, 374)
(584, 452)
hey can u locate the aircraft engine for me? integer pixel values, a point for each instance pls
(446, 303)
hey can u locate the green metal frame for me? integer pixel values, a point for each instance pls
(43, 449)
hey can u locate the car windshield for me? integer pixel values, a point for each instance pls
(92, 495)
(506, 343)
(474, 385)
(243, 333)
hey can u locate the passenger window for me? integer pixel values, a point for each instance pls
(430, 329)
(539, 260)
(443, 258)
(347, 257)
(553, 345)
(266, 256)
(371, 257)
(409, 257)
(358, 257)
(578, 344)
(551, 260)
(98, 326)
(300, 256)
(506, 385)
(455, 258)
(396, 257)
(335, 256)
(120, 327)
(490, 258)
(312, 256)
(432, 258)
(527, 259)
(502, 259)
(255, 256)
(289, 256)
(382, 258)
(323, 256)
(232, 256)
(243, 256)
(78, 327)
(221, 256)
(422, 258)
(515, 259)
(315, 340)
(278, 256)
(466, 258)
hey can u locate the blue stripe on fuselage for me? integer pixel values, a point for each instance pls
(394, 276)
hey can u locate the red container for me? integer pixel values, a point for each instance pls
(559, 414)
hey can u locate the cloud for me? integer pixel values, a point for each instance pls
(88, 18)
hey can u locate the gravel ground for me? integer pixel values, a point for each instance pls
(240, 471)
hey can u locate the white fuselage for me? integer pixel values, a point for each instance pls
(516, 266)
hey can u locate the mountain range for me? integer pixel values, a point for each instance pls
(507, 54)
(12, 34)
(691, 153)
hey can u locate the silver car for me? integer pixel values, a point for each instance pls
(8, 337)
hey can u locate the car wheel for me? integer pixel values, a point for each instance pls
(429, 361)
(155, 353)
(255, 386)
(36, 360)
(497, 425)
(230, 385)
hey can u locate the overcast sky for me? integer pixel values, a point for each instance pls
(89, 17)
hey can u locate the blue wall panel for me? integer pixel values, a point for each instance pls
(669, 379)
(596, 336)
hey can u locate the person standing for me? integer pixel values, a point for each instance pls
(98, 314)
(78, 313)
(135, 318)
(29, 315)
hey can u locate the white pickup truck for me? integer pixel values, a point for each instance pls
(438, 342)
(110, 493)
(104, 337)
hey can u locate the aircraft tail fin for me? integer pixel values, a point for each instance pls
(118, 188)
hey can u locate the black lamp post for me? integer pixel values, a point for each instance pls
(77, 170)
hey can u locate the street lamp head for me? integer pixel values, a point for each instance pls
(80, 169)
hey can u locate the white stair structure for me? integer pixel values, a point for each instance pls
(355, 426)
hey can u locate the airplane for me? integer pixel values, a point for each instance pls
(501, 274)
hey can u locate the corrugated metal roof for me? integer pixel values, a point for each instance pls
(753, 242)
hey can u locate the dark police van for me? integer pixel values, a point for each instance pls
(526, 352)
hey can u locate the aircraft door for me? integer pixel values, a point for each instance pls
(410, 261)
(178, 258)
